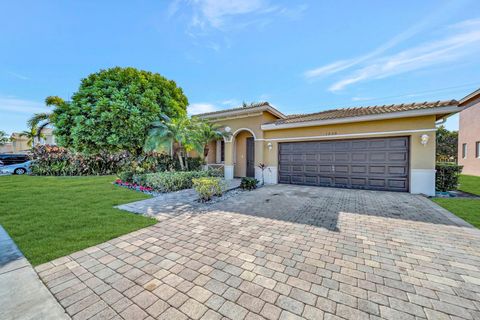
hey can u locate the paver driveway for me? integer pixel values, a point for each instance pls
(282, 252)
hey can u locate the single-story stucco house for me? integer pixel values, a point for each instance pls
(469, 135)
(389, 147)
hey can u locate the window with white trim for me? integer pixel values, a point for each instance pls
(477, 149)
(464, 151)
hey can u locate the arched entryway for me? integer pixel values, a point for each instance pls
(243, 153)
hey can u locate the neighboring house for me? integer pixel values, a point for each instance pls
(469, 135)
(19, 143)
(389, 147)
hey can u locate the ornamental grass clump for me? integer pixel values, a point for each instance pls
(207, 188)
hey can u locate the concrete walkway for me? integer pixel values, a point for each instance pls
(172, 204)
(22, 294)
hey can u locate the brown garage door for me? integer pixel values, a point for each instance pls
(377, 163)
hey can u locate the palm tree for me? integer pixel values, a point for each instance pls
(175, 135)
(43, 119)
(31, 135)
(205, 131)
(3, 138)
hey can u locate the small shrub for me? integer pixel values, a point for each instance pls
(207, 187)
(172, 181)
(215, 172)
(248, 183)
(126, 176)
(446, 178)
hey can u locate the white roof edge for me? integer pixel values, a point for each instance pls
(231, 112)
(393, 115)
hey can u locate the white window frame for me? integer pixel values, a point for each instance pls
(477, 149)
(464, 151)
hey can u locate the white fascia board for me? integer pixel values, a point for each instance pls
(351, 135)
(252, 111)
(393, 115)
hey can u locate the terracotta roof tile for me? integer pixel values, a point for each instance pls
(364, 111)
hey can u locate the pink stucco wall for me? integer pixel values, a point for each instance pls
(469, 133)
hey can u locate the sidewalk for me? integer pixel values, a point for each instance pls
(22, 295)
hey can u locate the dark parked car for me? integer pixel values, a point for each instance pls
(8, 159)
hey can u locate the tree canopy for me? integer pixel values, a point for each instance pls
(447, 145)
(114, 108)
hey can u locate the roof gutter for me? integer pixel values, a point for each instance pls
(230, 113)
(394, 115)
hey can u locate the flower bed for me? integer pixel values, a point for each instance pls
(135, 187)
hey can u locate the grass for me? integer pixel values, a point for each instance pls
(50, 217)
(470, 184)
(465, 208)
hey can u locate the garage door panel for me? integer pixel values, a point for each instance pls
(359, 169)
(339, 169)
(376, 163)
(343, 157)
(397, 156)
(359, 157)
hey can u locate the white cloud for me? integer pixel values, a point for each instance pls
(18, 76)
(214, 12)
(12, 104)
(230, 102)
(197, 108)
(465, 40)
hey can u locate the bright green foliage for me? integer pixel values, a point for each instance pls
(3, 138)
(175, 133)
(466, 208)
(447, 144)
(172, 181)
(470, 184)
(50, 217)
(248, 183)
(31, 134)
(446, 177)
(204, 131)
(207, 187)
(113, 110)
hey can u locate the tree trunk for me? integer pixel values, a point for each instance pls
(206, 149)
(180, 159)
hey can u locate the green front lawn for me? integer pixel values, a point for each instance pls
(470, 184)
(50, 217)
(465, 208)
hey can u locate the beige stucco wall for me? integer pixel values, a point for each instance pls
(469, 133)
(421, 157)
(240, 156)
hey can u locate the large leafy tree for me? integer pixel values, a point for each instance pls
(113, 110)
(447, 145)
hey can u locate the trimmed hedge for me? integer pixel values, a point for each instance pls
(169, 181)
(446, 178)
(58, 161)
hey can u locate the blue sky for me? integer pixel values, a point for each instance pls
(301, 56)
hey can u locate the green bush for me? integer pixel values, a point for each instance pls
(248, 183)
(172, 181)
(447, 176)
(207, 187)
(57, 161)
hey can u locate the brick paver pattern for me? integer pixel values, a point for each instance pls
(282, 252)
